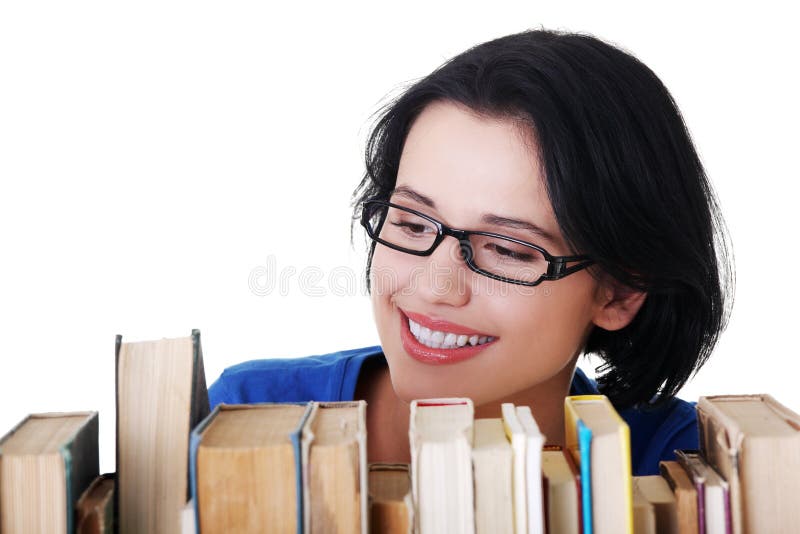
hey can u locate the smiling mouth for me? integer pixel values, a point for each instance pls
(440, 339)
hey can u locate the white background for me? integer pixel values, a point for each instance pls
(153, 154)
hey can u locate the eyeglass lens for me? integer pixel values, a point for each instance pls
(498, 256)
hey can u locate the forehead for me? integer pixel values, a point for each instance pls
(470, 164)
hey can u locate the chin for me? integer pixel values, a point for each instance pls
(409, 385)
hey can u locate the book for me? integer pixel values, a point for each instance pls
(246, 468)
(660, 500)
(94, 512)
(334, 466)
(516, 436)
(596, 433)
(561, 487)
(160, 396)
(391, 505)
(492, 463)
(754, 443)
(685, 496)
(644, 516)
(46, 462)
(441, 437)
(188, 518)
(713, 505)
(533, 469)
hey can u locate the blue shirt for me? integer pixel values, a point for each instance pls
(655, 434)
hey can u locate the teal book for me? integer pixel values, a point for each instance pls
(46, 462)
(161, 395)
(246, 468)
(585, 445)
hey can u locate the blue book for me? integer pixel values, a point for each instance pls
(585, 446)
(243, 446)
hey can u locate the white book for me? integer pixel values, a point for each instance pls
(516, 435)
(441, 436)
(533, 469)
(492, 463)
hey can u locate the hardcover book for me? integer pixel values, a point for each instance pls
(754, 443)
(46, 462)
(391, 505)
(492, 462)
(161, 395)
(596, 433)
(561, 486)
(95, 508)
(441, 437)
(246, 468)
(334, 466)
(713, 504)
(685, 496)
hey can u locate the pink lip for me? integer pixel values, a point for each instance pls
(426, 354)
(440, 324)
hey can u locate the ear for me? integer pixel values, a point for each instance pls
(616, 304)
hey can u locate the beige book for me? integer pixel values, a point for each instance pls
(94, 513)
(441, 437)
(685, 495)
(658, 493)
(492, 463)
(390, 501)
(754, 442)
(247, 468)
(46, 462)
(334, 466)
(516, 436)
(161, 395)
(644, 515)
(561, 491)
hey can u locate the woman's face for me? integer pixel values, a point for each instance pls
(458, 167)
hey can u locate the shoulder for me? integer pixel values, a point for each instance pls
(324, 377)
(655, 433)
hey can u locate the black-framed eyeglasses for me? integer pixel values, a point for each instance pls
(497, 256)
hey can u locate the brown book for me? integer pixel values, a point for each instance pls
(334, 465)
(562, 491)
(246, 462)
(95, 509)
(685, 495)
(754, 442)
(656, 491)
(46, 462)
(644, 515)
(161, 395)
(391, 507)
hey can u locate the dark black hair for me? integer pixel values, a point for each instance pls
(625, 182)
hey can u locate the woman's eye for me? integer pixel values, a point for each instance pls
(413, 228)
(514, 255)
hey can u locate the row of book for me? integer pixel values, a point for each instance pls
(303, 467)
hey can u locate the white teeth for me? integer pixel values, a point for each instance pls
(449, 340)
(446, 340)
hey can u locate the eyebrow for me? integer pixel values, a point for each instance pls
(489, 218)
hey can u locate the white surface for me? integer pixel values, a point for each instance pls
(153, 154)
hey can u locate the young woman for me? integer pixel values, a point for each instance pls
(534, 199)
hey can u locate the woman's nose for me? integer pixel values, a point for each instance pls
(446, 278)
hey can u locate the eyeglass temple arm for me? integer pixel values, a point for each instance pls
(557, 267)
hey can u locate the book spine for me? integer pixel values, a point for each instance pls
(585, 446)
